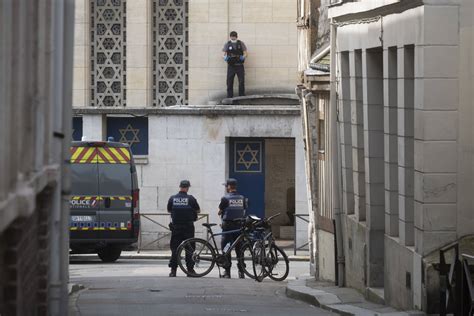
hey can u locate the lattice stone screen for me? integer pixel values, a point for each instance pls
(108, 52)
(170, 52)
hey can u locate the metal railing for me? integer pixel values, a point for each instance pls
(163, 230)
(455, 282)
(295, 246)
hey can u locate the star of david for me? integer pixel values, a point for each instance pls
(252, 161)
(124, 132)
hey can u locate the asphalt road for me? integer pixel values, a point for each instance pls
(142, 287)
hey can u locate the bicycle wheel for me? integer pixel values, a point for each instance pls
(245, 260)
(258, 261)
(196, 257)
(277, 263)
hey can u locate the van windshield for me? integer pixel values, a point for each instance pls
(115, 179)
(84, 180)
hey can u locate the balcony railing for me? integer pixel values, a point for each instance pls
(456, 282)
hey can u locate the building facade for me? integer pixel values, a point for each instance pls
(401, 83)
(36, 45)
(151, 73)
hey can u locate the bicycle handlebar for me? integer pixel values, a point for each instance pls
(272, 217)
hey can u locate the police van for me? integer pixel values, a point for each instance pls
(104, 199)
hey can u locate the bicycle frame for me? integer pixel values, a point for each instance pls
(232, 246)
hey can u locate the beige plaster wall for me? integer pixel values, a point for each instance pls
(268, 28)
(81, 55)
(139, 53)
(465, 218)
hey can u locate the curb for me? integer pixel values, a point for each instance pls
(74, 292)
(297, 289)
(74, 288)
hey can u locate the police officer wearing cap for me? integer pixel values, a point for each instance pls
(184, 209)
(233, 206)
(235, 53)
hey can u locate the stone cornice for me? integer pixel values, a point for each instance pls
(214, 110)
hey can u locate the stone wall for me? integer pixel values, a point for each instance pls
(25, 266)
(202, 157)
(326, 258)
(415, 80)
(35, 103)
(194, 146)
(268, 28)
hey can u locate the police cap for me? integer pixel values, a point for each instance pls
(230, 181)
(184, 184)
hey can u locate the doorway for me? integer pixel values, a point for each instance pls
(265, 171)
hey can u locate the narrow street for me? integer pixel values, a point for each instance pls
(142, 287)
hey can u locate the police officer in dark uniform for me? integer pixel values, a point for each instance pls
(235, 53)
(233, 206)
(184, 209)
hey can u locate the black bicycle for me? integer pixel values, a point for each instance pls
(268, 259)
(197, 257)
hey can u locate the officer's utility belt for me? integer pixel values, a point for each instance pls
(183, 223)
(229, 225)
(234, 60)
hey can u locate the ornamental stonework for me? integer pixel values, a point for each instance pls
(108, 52)
(170, 52)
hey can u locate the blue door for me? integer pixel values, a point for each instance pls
(246, 164)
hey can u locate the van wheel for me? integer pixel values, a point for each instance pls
(109, 254)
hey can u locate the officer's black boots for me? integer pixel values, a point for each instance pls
(226, 274)
(191, 273)
(241, 275)
(173, 273)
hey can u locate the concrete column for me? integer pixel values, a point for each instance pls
(5, 112)
(94, 127)
(406, 144)
(357, 132)
(436, 137)
(372, 67)
(391, 141)
(81, 70)
(138, 52)
(346, 137)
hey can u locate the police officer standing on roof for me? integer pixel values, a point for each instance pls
(235, 53)
(233, 206)
(184, 209)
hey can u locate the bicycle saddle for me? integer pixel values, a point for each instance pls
(208, 225)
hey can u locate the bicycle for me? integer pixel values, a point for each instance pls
(202, 256)
(267, 255)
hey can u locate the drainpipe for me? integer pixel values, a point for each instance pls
(56, 288)
(63, 30)
(336, 165)
(310, 185)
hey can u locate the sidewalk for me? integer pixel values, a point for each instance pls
(166, 255)
(344, 301)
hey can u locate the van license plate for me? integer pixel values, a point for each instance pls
(81, 218)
